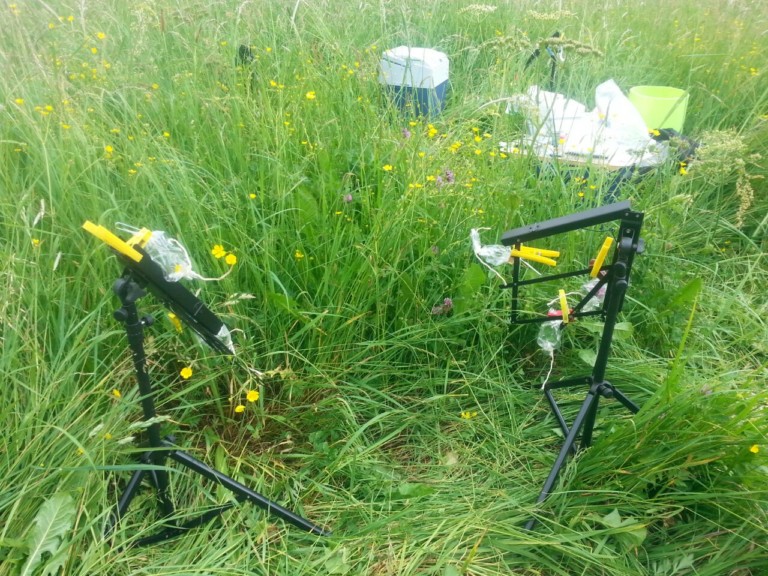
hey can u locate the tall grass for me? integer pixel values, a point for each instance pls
(140, 113)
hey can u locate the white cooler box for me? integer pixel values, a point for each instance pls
(416, 78)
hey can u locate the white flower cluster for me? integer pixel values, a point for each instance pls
(478, 9)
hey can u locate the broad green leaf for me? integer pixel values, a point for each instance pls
(53, 521)
(414, 490)
(337, 563)
(588, 357)
(612, 520)
(282, 301)
(472, 280)
(306, 204)
(687, 293)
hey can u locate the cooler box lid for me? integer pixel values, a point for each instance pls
(414, 67)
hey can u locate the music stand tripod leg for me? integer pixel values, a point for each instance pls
(129, 291)
(244, 493)
(588, 407)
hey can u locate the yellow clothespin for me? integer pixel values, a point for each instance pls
(539, 255)
(113, 241)
(607, 243)
(141, 238)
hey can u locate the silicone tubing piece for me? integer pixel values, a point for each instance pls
(113, 241)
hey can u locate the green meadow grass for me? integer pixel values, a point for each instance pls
(344, 242)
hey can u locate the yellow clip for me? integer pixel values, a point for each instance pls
(141, 238)
(539, 255)
(113, 241)
(564, 306)
(601, 257)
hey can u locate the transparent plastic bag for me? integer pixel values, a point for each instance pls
(168, 253)
(596, 301)
(550, 336)
(493, 255)
(225, 336)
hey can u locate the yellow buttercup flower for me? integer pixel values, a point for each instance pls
(310, 95)
(116, 393)
(218, 251)
(239, 409)
(754, 448)
(230, 259)
(252, 395)
(186, 372)
(175, 321)
(387, 167)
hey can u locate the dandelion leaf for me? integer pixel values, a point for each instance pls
(53, 521)
(687, 294)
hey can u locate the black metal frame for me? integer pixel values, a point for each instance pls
(615, 278)
(129, 289)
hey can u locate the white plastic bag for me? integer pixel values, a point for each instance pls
(613, 133)
(494, 255)
(622, 120)
(169, 254)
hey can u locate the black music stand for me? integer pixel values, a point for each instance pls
(141, 273)
(614, 277)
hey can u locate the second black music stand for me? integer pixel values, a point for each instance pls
(614, 278)
(141, 273)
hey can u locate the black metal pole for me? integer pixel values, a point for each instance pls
(590, 403)
(244, 493)
(129, 292)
